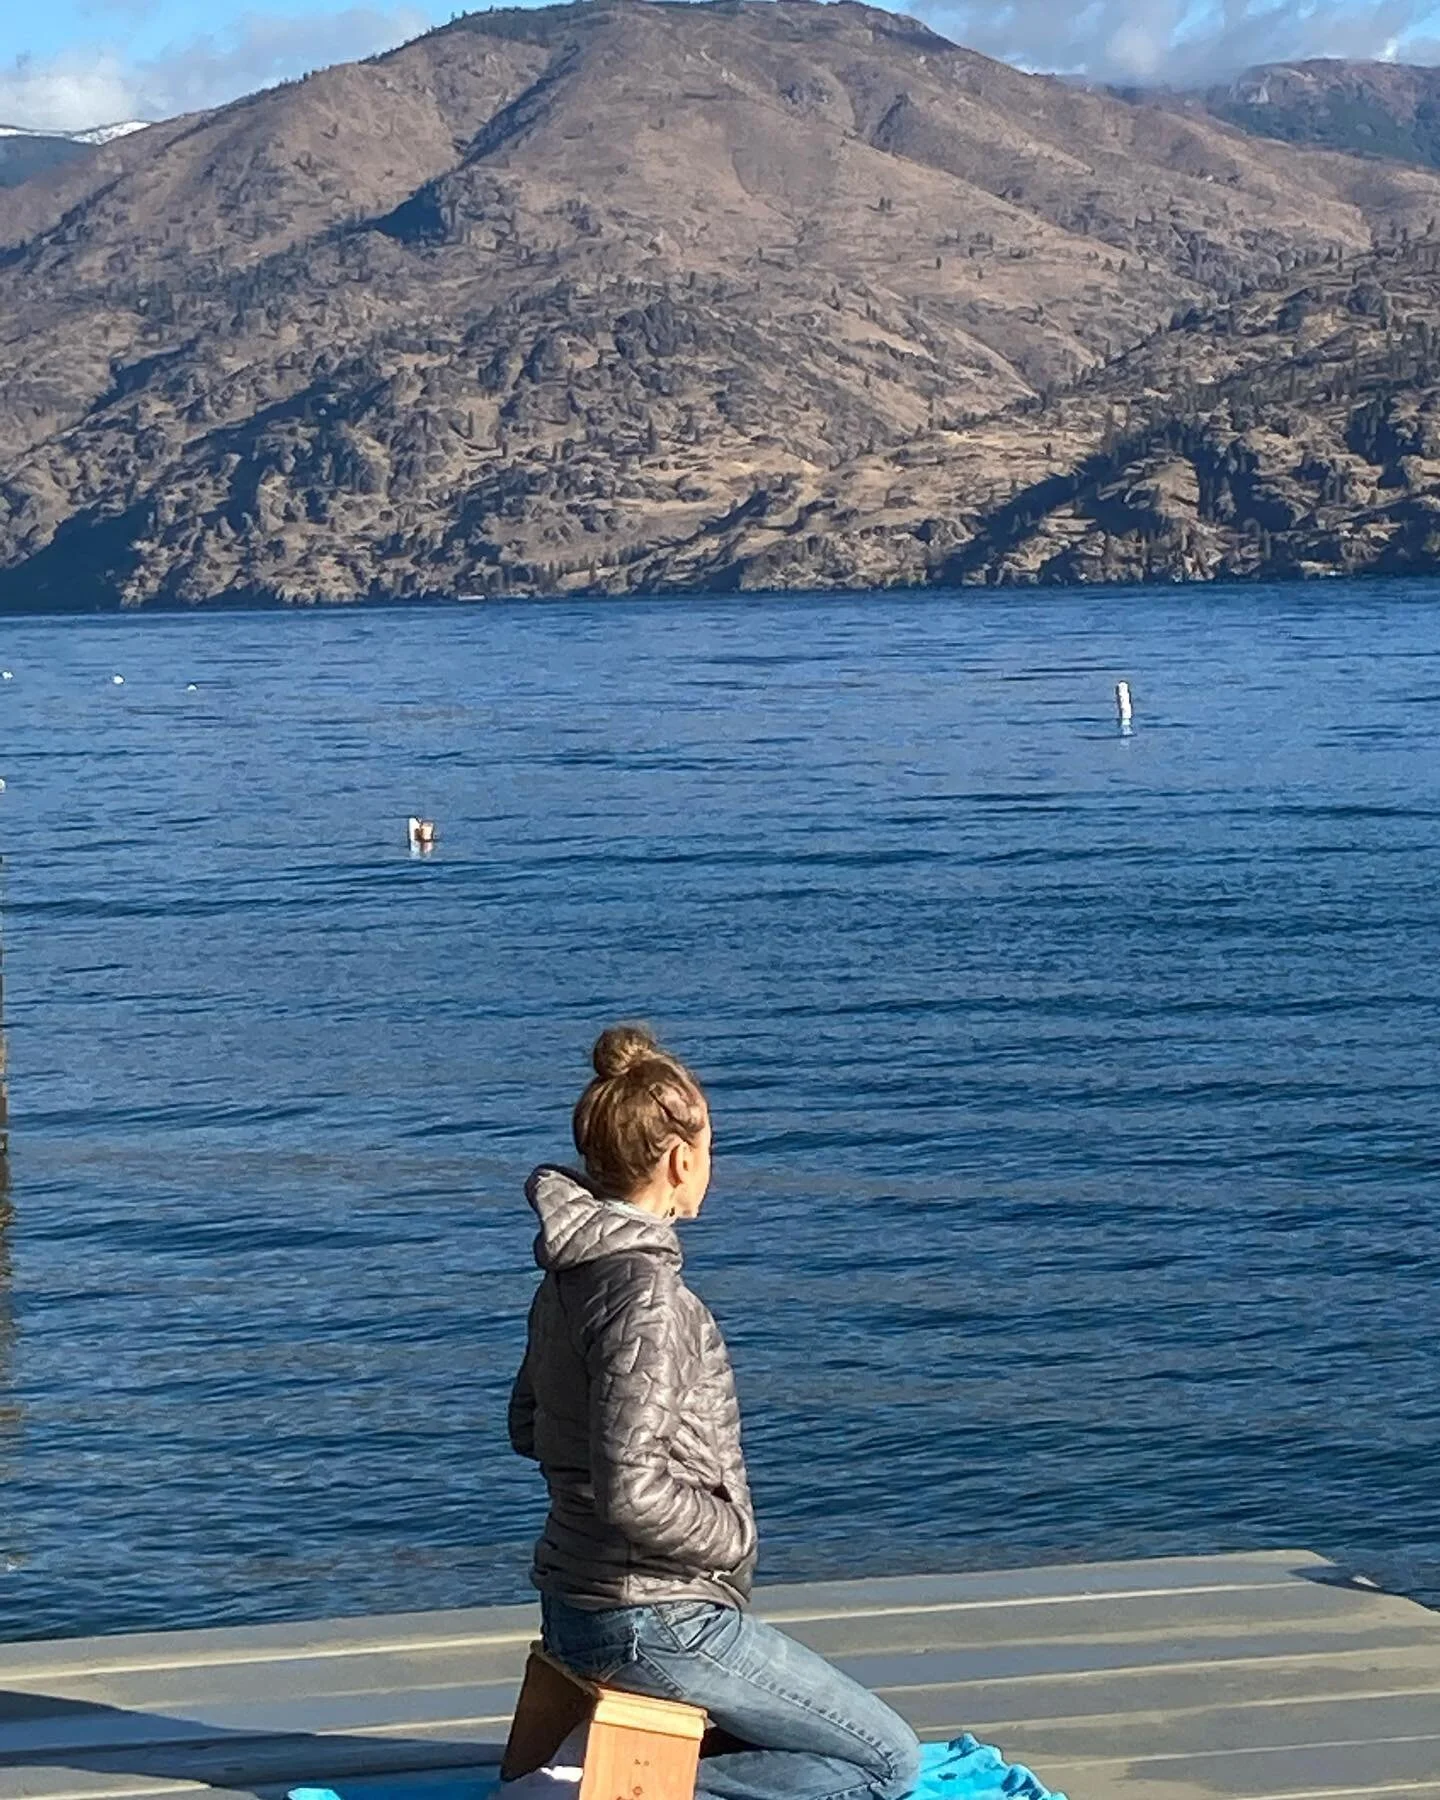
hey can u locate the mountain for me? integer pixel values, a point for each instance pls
(1368, 108)
(24, 153)
(623, 295)
(1294, 433)
(106, 134)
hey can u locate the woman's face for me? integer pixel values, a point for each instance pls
(692, 1174)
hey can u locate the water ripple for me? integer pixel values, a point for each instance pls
(1075, 1095)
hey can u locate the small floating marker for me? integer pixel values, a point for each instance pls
(7, 675)
(190, 688)
(1123, 709)
(2, 787)
(421, 833)
(118, 680)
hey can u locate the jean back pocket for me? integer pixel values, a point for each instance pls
(594, 1645)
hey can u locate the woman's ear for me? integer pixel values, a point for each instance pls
(679, 1162)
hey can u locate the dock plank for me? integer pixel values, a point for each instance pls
(1299, 1724)
(1246, 1677)
(783, 1603)
(871, 1644)
(939, 1687)
(1297, 1771)
(999, 1706)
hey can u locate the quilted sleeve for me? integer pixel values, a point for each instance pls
(634, 1364)
(726, 1425)
(521, 1418)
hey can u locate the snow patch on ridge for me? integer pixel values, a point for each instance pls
(96, 134)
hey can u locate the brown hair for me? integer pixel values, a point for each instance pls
(640, 1101)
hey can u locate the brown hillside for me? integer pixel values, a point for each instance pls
(1295, 433)
(1368, 108)
(580, 296)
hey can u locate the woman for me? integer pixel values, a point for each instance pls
(626, 1400)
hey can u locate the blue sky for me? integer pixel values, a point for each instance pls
(71, 63)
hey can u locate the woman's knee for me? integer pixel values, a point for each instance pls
(902, 1754)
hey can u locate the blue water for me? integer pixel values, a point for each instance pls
(1077, 1096)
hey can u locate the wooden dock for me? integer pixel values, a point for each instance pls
(1255, 1677)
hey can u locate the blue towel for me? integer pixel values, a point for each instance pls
(966, 1770)
(960, 1770)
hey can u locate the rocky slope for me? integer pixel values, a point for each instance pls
(25, 154)
(1369, 108)
(1293, 433)
(628, 295)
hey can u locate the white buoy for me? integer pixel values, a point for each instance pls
(1122, 702)
(2, 787)
(6, 675)
(119, 680)
(421, 833)
(191, 688)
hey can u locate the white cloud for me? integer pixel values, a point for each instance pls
(1179, 41)
(1139, 49)
(66, 93)
(80, 88)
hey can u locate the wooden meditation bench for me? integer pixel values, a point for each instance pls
(636, 1748)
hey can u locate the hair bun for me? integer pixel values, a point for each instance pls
(620, 1047)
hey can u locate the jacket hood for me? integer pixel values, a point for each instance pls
(578, 1226)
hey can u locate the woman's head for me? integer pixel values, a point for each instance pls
(643, 1126)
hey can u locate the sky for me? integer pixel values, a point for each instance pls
(68, 64)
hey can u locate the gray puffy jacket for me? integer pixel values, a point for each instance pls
(626, 1400)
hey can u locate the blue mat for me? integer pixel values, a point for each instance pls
(966, 1770)
(960, 1770)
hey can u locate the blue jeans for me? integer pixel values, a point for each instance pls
(810, 1732)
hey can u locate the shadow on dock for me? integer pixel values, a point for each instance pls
(40, 1732)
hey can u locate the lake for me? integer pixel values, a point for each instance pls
(1077, 1096)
